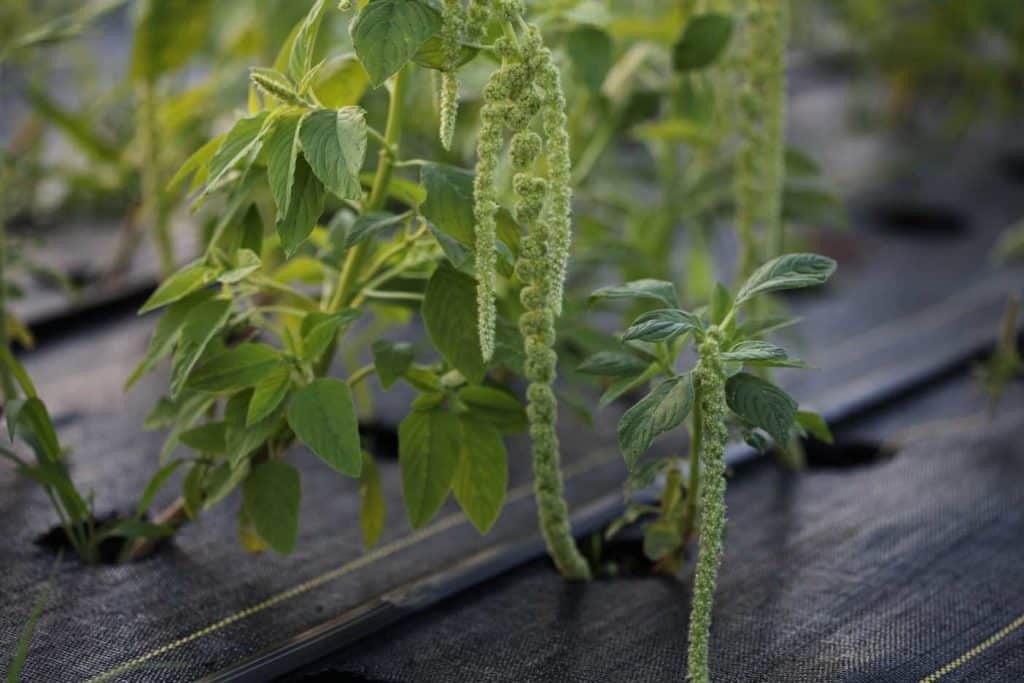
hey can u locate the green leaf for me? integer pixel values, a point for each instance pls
(372, 509)
(300, 59)
(431, 54)
(428, 454)
(704, 39)
(202, 324)
(246, 263)
(815, 425)
(192, 277)
(154, 485)
(319, 330)
(759, 326)
(663, 324)
(282, 150)
(304, 210)
(721, 303)
(762, 404)
(391, 359)
(614, 364)
(270, 497)
(449, 204)
(449, 311)
(31, 421)
(370, 224)
(137, 528)
(791, 271)
(236, 368)
(655, 290)
(480, 482)
(387, 34)
(341, 82)
(166, 333)
(591, 52)
(268, 394)
(661, 538)
(169, 32)
(334, 144)
(495, 407)
(762, 353)
(207, 438)
(323, 417)
(198, 163)
(240, 144)
(660, 411)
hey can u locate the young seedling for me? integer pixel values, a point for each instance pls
(715, 393)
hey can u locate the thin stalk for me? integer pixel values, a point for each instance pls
(776, 19)
(149, 166)
(378, 192)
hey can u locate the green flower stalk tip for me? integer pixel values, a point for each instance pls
(452, 27)
(709, 381)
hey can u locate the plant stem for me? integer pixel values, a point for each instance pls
(149, 166)
(776, 27)
(378, 192)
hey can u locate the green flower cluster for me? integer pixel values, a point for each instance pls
(761, 120)
(453, 24)
(527, 88)
(709, 389)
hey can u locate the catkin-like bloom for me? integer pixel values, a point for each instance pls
(453, 23)
(709, 385)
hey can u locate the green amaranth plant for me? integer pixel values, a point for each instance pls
(716, 392)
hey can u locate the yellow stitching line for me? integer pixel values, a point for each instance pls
(515, 495)
(976, 650)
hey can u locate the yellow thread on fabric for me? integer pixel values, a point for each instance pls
(975, 651)
(518, 493)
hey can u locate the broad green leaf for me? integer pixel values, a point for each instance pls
(387, 34)
(202, 324)
(246, 263)
(621, 387)
(318, 331)
(368, 225)
(753, 352)
(614, 364)
(372, 509)
(323, 417)
(236, 368)
(304, 210)
(206, 438)
(282, 150)
(391, 360)
(791, 271)
(222, 480)
(300, 59)
(660, 411)
(192, 277)
(704, 39)
(759, 326)
(428, 454)
(166, 333)
(449, 311)
(815, 425)
(244, 439)
(480, 482)
(721, 303)
(341, 82)
(334, 144)
(661, 538)
(240, 144)
(663, 324)
(169, 32)
(653, 290)
(271, 496)
(591, 52)
(267, 395)
(762, 404)
(399, 189)
(495, 407)
(198, 164)
(431, 54)
(449, 204)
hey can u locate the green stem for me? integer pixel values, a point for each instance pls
(378, 192)
(149, 165)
